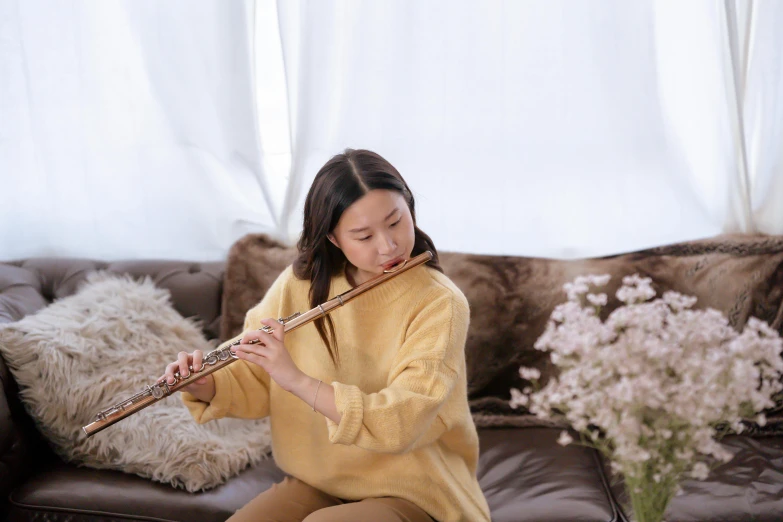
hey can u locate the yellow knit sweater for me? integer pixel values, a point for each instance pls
(401, 389)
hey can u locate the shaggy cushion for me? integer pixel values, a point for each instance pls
(512, 297)
(94, 349)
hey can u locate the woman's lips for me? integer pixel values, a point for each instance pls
(392, 263)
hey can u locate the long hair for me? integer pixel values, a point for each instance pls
(341, 181)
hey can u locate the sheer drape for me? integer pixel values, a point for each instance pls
(762, 109)
(128, 129)
(540, 128)
(556, 128)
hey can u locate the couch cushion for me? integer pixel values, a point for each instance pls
(524, 473)
(21, 293)
(27, 286)
(66, 493)
(527, 476)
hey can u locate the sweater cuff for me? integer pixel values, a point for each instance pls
(349, 403)
(220, 404)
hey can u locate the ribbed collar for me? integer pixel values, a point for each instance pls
(383, 294)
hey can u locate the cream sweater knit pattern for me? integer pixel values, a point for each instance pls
(400, 387)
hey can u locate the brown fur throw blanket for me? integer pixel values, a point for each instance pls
(512, 298)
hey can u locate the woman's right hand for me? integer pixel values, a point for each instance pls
(204, 388)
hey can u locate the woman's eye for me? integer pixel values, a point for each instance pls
(396, 222)
(364, 238)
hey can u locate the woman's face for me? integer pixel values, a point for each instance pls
(375, 233)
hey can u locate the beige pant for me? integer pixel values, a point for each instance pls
(294, 501)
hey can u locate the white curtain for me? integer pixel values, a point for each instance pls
(557, 129)
(762, 109)
(128, 129)
(550, 128)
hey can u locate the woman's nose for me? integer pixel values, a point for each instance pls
(387, 245)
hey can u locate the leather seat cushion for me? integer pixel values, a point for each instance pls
(66, 493)
(527, 476)
(524, 473)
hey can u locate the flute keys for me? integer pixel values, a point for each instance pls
(160, 390)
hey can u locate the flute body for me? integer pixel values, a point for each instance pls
(222, 356)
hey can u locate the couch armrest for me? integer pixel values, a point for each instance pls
(20, 294)
(21, 447)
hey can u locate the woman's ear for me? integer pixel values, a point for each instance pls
(333, 240)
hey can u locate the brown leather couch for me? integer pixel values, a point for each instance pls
(524, 473)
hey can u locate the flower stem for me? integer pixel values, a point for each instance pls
(649, 498)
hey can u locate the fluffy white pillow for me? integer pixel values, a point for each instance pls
(96, 348)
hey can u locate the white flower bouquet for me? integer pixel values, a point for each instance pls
(654, 384)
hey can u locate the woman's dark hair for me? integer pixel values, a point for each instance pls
(341, 181)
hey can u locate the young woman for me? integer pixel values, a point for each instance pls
(368, 409)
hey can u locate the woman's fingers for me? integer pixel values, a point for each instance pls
(198, 357)
(262, 336)
(255, 353)
(254, 358)
(278, 331)
(184, 365)
(259, 349)
(171, 369)
(256, 337)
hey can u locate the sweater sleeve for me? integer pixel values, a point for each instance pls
(408, 413)
(242, 389)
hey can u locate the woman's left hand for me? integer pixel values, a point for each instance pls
(270, 354)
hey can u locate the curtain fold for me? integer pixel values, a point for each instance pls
(737, 24)
(139, 129)
(527, 128)
(128, 130)
(763, 114)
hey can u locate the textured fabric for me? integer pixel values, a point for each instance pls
(740, 276)
(511, 120)
(159, 160)
(405, 429)
(95, 349)
(254, 263)
(294, 501)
